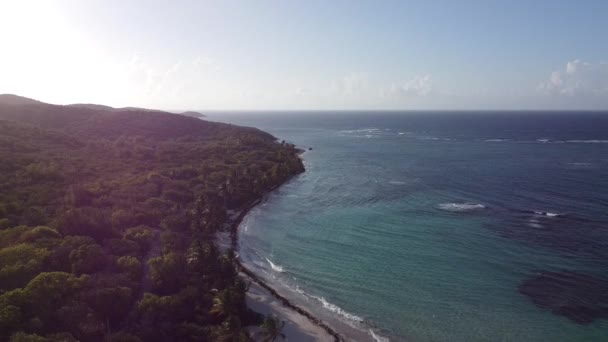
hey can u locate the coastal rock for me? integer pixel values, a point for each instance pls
(580, 297)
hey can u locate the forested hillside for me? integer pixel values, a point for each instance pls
(107, 222)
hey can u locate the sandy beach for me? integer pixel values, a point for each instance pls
(297, 327)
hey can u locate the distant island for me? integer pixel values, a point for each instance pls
(108, 222)
(193, 114)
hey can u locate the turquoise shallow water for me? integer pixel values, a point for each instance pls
(423, 226)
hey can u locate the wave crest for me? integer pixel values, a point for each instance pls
(547, 213)
(377, 337)
(338, 310)
(275, 267)
(460, 207)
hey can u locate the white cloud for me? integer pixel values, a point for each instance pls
(419, 86)
(299, 91)
(352, 84)
(579, 78)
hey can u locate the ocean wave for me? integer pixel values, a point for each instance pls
(337, 310)
(572, 141)
(496, 140)
(275, 267)
(369, 130)
(433, 138)
(395, 182)
(377, 337)
(547, 213)
(460, 207)
(534, 223)
(592, 141)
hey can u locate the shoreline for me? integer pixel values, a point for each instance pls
(234, 227)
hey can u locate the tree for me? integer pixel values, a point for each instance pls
(231, 331)
(86, 221)
(19, 264)
(10, 319)
(229, 301)
(130, 265)
(141, 234)
(41, 299)
(40, 232)
(272, 329)
(87, 259)
(168, 272)
(111, 303)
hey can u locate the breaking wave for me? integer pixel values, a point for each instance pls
(337, 310)
(547, 213)
(460, 207)
(592, 141)
(377, 337)
(275, 267)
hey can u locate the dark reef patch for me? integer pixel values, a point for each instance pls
(569, 234)
(580, 297)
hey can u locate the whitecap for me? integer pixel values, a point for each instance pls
(275, 267)
(534, 224)
(338, 310)
(592, 141)
(377, 337)
(543, 140)
(547, 213)
(395, 182)
(460, 207)
(496, 140)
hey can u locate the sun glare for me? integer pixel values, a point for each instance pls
(49, 57)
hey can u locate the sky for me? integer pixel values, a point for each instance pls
(308, 54)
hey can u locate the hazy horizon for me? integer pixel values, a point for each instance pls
(271, 55)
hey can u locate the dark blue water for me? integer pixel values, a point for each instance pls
(424, 226)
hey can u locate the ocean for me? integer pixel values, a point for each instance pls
(439, 226)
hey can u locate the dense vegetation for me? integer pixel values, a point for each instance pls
(108, 219)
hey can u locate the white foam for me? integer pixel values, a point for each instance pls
(547, 213)
(543, 140)
(592, 141)
(460, 207)
(377, 337)
(496, 140)
(395, 182)
(275, 267)
(368, 130)
(338, 310)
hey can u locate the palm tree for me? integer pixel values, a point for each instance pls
(223, 304)
(272, 329)
(232, 331)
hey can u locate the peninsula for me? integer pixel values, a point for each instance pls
(108, 221)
